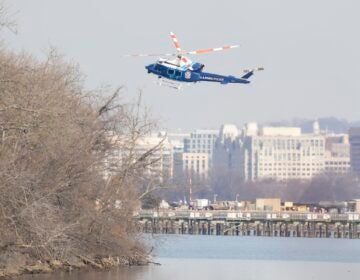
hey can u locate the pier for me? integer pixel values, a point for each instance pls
(250, 223)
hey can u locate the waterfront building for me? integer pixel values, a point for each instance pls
(282, 153)
(337, 154)
(158, 165)
(177, 140)
(195, 165)
(356, 205)
(227, 149)
(201, 141)
(354, 137)
(268, 204)
(161, 161)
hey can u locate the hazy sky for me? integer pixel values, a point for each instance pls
(310, 50)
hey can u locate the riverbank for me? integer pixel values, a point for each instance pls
(21, 265)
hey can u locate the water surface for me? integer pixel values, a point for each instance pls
(233, 257)
(256, 248)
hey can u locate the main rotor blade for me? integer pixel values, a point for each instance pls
(203, 51)
(186, 61)
(145, 55)
(176, 41)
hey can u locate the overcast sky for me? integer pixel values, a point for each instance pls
(310, 50)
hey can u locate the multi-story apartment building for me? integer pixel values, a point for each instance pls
(337, 154)
(159, 163)
(354, 137)
(227, 149)
(201, 141)
(177, 140)
(282, 153)
(195, 165)
(190, 151)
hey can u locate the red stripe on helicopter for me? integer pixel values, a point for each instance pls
(204, 51)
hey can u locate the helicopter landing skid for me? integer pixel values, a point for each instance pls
(170, 84)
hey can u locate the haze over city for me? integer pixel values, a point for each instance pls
(309, 50)
(179, 166)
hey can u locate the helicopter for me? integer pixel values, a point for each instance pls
(181, 69)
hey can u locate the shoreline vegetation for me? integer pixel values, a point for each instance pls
(77, 263)
(67, 201)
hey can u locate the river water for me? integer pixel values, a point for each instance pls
(233, 257)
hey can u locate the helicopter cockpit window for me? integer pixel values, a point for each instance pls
(157, 67)
(177, 73)
(171, 71)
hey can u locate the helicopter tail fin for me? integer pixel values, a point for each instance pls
(250, 72)
(247, 75)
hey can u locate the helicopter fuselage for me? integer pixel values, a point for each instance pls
(168, 70)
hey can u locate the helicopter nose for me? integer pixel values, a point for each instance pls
(148, 68)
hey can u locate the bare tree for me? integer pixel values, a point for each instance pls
(6, 20)
(60, 197)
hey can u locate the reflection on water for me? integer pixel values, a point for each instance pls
(220, 258)
(131, 273)
(179, 269)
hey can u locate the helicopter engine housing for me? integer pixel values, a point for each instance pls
(198, 67)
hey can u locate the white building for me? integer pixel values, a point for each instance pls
(161, 162)
(282, 153)
(337, 154)
(177, 141)
(201, 141)
(196, 165)
(158, 164)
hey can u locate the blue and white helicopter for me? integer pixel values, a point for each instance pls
(182, 69)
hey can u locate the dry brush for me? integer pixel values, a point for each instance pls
(61, 196)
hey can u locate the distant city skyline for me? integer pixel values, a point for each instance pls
(259, 152)
(309, 50)
(330, 124)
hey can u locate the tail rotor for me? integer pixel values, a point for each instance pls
(250, 72)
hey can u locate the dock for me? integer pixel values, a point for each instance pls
(250, 223)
